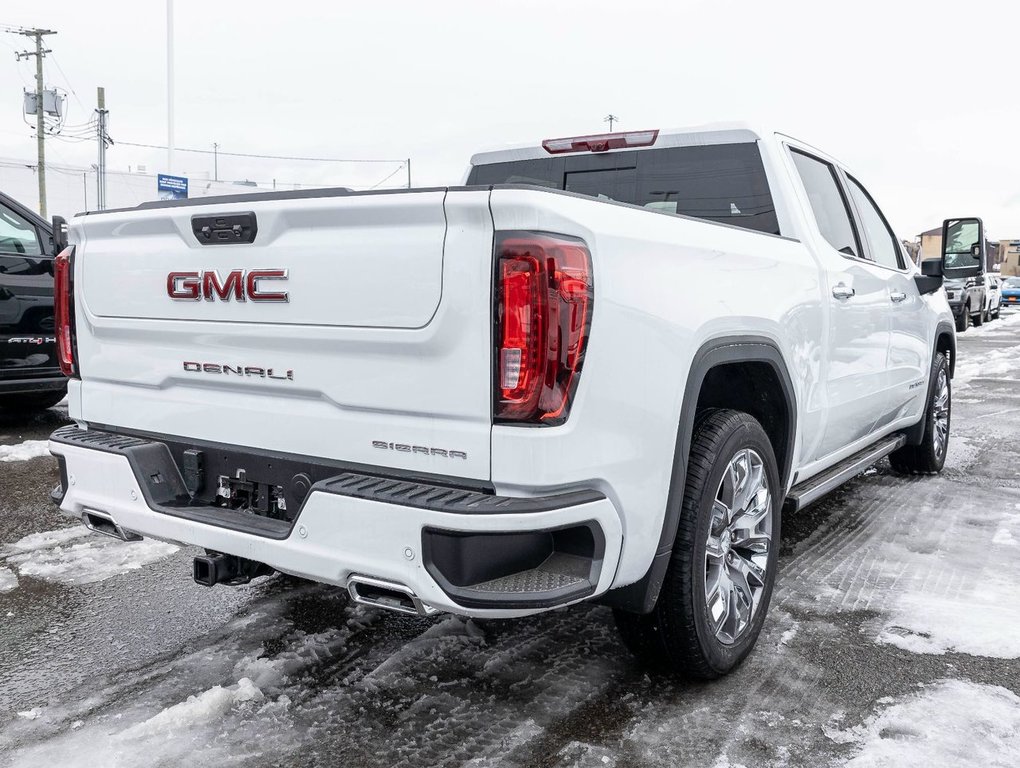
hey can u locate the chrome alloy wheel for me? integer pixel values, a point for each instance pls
(738, 546)
(940, 410)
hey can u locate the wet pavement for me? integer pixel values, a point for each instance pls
(893, 638)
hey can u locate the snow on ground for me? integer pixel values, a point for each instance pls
(994, 363)
(938, 567)
(952, 722)
(8, 580)
(30, 449)
(78, 556)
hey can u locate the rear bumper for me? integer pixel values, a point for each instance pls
(461, 551)
(32, 385)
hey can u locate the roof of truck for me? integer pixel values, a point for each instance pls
(696, 135)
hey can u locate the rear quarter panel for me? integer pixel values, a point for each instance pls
(664, 286)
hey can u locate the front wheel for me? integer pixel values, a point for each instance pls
(979, 318)
(716, 592)
(930, 456)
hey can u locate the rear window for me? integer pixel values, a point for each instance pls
(724, 183)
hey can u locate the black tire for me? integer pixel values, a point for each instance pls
(929, 457)
(677, 637)
(963, 321)
(979, 318)
(29, 402)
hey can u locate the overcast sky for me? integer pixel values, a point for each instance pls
(921, 99)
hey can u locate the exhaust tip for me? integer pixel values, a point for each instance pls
(101, 522)
(390, 595)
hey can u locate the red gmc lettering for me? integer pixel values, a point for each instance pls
(183, 285)
(252, 284)
(233, 284)
(237, 285)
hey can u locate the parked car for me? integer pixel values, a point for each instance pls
(515, 395)
(1010, 291)
(967, 299)
(30, 377)
(993, 297)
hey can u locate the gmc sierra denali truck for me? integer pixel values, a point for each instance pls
(509, 396)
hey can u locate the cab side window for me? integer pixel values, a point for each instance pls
(17, 234)
(884, 247)
(827, 203)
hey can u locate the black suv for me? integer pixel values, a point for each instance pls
(30, 377)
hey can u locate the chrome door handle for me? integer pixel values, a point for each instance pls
(841, 291)
(897, 296)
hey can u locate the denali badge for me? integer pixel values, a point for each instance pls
(239, 285)
(422, 449)
(252, 371)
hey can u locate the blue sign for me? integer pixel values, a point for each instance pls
(172, 187)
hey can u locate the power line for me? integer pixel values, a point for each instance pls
(68, 81)
(253, 154)
(398, 170)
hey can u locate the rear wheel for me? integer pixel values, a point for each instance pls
(930, 456)
(716, 592)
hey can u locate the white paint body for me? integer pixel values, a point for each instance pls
(388, 332)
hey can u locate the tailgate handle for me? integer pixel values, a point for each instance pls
(225, 228)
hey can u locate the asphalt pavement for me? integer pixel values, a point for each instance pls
(893, 639)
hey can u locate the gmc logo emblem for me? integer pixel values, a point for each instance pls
(238, 285)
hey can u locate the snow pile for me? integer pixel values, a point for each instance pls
(196, 710)
(78, 556)
(8, 581)
(30, 449)
(952, 722)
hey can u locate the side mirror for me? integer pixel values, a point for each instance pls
(930, 279)
(963, 248)
(59, 234)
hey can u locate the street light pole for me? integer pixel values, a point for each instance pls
(170, 86)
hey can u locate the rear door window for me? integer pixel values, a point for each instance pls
(725, 183)
(884, 248)
(830, 208)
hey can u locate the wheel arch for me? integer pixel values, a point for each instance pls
(944, 342)
(744, 353)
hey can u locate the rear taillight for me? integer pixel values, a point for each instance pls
(63, 311)
(543, 297)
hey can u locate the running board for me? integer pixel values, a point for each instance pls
(815, 487)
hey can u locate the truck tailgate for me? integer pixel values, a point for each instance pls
(380, 354)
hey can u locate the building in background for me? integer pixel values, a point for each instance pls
(931, 244)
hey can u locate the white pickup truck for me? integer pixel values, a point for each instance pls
(596, 371)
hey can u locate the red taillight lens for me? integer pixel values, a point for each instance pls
(543, 311)
(63, 311)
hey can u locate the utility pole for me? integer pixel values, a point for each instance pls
(215, 161)
(408, 173)
(610, 118)
(40, 128)
(170, 86)
(101, 113)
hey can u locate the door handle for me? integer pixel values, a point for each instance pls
(897, 296)
(842, 291)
